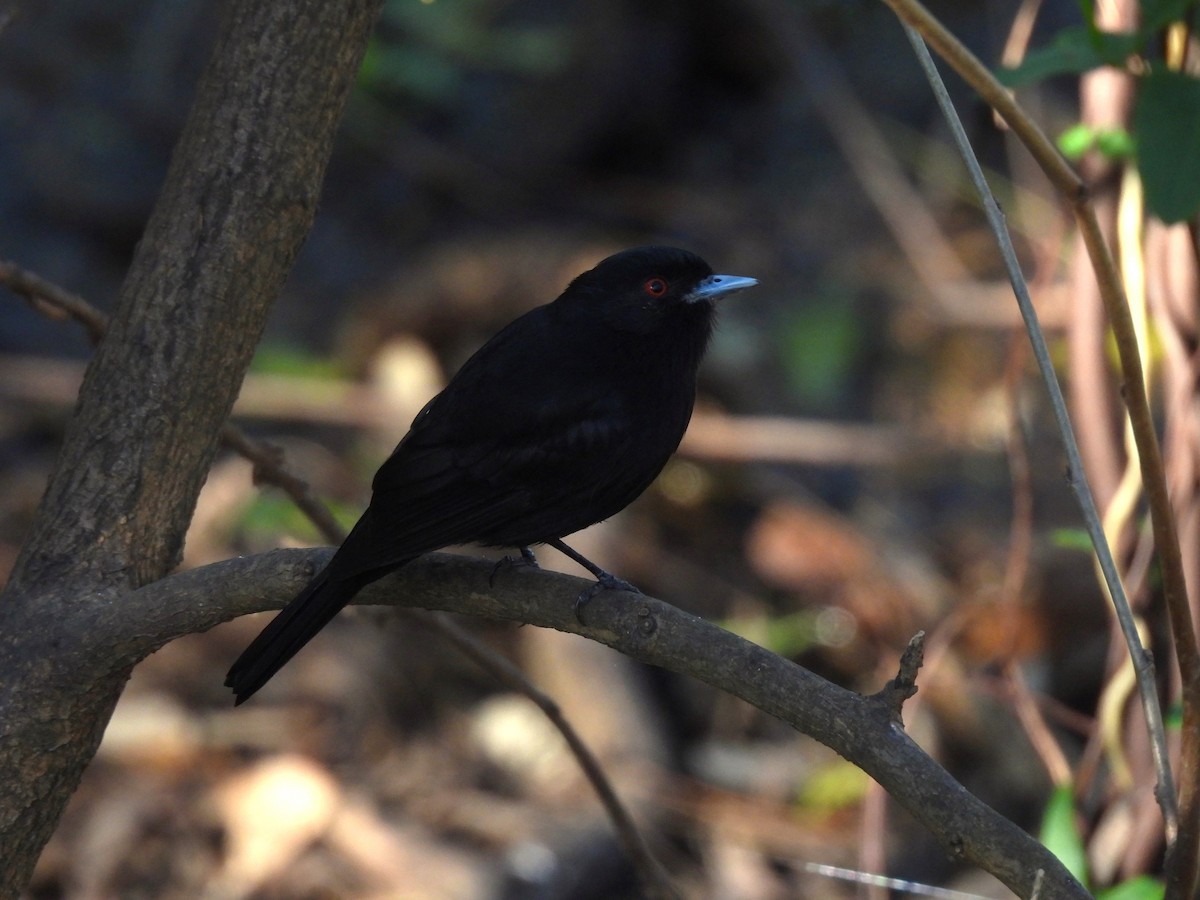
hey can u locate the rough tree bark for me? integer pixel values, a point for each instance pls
(238, 201)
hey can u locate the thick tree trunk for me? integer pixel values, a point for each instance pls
(238, 201)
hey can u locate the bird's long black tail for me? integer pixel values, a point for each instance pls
(295, 626)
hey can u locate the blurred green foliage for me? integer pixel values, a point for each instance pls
(1174, 717)
(1061, 836)
(1071, 539)
(1060, 832)
(832, 787)
(1140, 888)
(268, 516)
(1166, 121)
(425, 49)
(1113, 143)
(788, 635)
(821, 344)
(290, 359)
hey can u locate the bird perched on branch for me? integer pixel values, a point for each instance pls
(557, 422)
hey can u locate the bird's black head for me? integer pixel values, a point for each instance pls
(650, 289)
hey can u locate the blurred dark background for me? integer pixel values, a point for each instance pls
(492, 150)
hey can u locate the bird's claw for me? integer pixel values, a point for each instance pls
(511, 562)
(604, 582)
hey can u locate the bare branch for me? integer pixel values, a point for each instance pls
(51, 300)
(656, 882)
(862, 729)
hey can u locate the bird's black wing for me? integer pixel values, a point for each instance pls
(532, 481)
(519, 448)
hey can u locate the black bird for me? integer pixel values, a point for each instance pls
(557, 422)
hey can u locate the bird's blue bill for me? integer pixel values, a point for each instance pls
(715, 286)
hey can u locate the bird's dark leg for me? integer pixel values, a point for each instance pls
(605, 581)
(508, 562)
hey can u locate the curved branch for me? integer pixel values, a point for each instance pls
(865, 730)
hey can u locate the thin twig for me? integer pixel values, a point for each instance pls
(1020, 532)
(1016, 571)
(1183, 856)
(269, 468)
(656, 882)
(996, 95)
(53, 301)
(883, 882)
(903, 210)
(1142, 663)
(1020, 33)
(1041, 738)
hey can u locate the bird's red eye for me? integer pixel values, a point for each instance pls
(655, 287)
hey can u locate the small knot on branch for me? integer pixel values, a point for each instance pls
(904, 685)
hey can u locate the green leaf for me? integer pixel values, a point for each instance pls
(287, 359)
(1114, 47)
(1174, 717)
(1071, 539)
(1061, 836)
(821, 343)
(1167, 125)
(833, 787)
(1143, 887)
(268, 516)
(1115, 143)
(410, 70)
(1077, 140)
(1158, 14)
(1073, 50)
(788, 635)
(537, 52)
